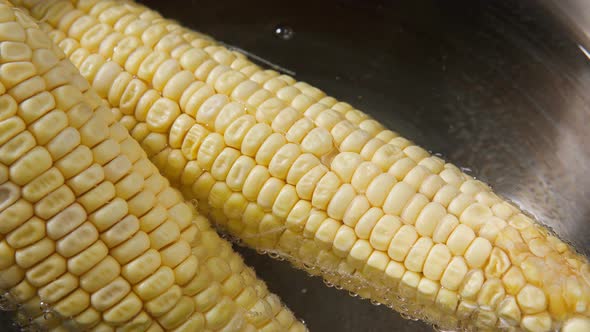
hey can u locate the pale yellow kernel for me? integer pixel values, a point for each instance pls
(376, 264)
(314, 221)
(378, 189)
(475, 215)
(341, 201)
(576, 324)
(454, 273)
(401, 168)
(15, 215)
(299, 130)
(359, 253)
(97, 197)
(447, 300)
(460, 239)
(78, 240)
(326, 233)
(269, 148)
(90, 66)
(282, 160)
(121, 231)
(12, 73)
(478, 252)
(100, 275)
(436, 262)
(164, 235)
(285, 201)
(317, 142)
(401, 243)
(28, 233)
(369, 150)
(209, 150)
(394, 272)
(533, 269)
(531, 300)
(471, 284)
(162, 115)
(254, 138)
(46, 271)
(269, 192)
(460, 203)
(513, 280)
(498, 263)
(397, 198)
(355, 141)
(301, 166)
(209, 110)
(383, 232)
(536, 323)
(344, 240)
(354, 210)
(491, 228)
(416, 176)
(325, 190)
(54, 202)
(15, 51)
(123, 311)
(491, 293)
(9, 128)
(367, 223)
(429, 218)
(364, 175)
(413, 208)
(418, 254)
(446, 194)
(444, 228)
(285, 120)
(431, 185)
(298, 216)
(386, 156)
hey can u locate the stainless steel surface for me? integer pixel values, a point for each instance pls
(495, 86)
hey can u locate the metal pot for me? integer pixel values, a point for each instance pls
(497, 87)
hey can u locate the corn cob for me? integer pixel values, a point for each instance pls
(92, 237)
(382, 218)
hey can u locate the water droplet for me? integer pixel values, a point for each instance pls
(303, 290)
(338, 287)
(284, 32)
(307, 266)
(47, 315)
(274, 255)
(405, 315)
(375, 303)
(353, 294)
(7, 303)
(328, 284)
(261, 252)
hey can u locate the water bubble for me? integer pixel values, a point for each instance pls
(375, 303)
(353, 294)
(338, 287)
(284, 32)
(274, 255)
(405, 315)
(328, 284)
(48, 315)
(7, 302)
(303, 290)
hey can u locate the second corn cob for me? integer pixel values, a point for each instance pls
(387, 220)
(91, 235)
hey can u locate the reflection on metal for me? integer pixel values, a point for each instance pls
(585, 51)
